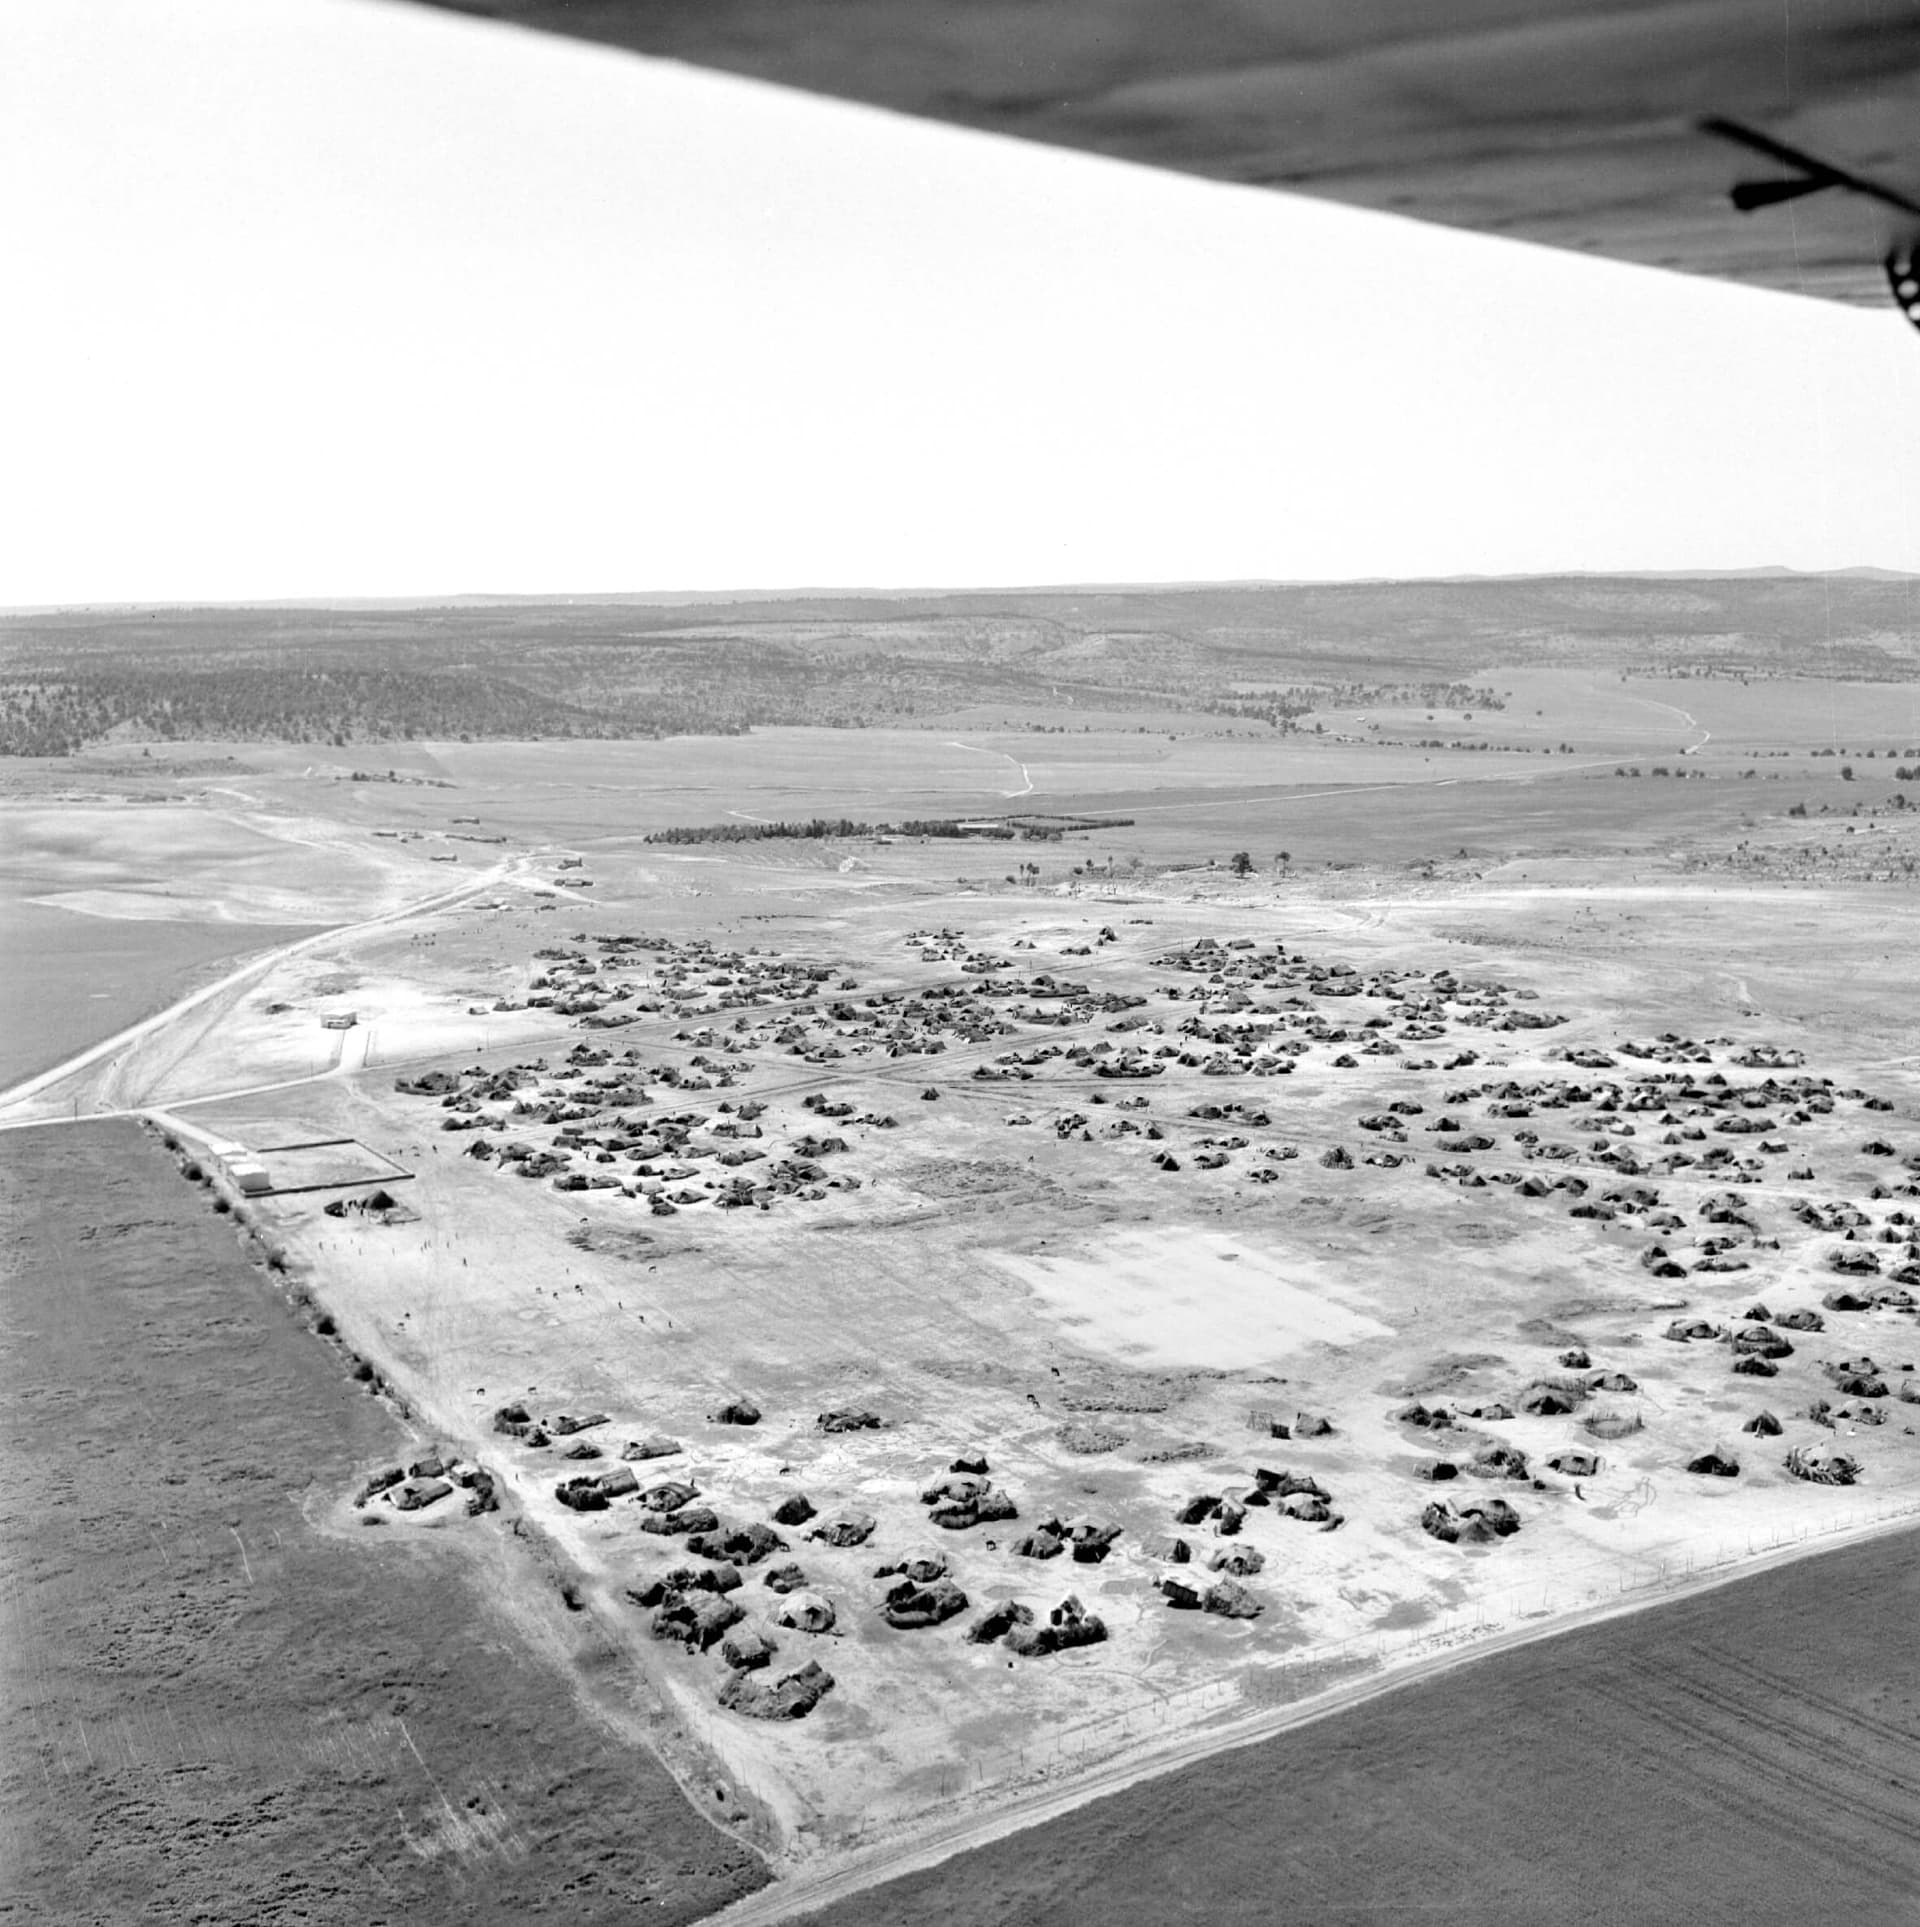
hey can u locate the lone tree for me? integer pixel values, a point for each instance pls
(1241, 864)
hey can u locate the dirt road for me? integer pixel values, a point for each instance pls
(225, 986)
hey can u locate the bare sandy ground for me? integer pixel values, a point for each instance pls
(1171, 1297)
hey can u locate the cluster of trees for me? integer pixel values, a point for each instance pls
(1281, 712)
(818, 827)
(1283, 708)
(616, 669)
(57, 714)
(1053, 826)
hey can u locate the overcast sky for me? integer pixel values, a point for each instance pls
(311, 297)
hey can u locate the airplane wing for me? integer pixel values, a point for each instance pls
(1582, 124)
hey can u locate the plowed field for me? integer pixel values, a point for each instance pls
(220, 1706)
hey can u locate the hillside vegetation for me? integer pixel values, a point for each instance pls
(553, 670)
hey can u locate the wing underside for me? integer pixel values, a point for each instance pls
(1576, 123)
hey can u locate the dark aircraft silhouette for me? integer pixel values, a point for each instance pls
(1605, 126)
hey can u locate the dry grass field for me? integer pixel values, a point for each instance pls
(1032, 1308)
(71, 977)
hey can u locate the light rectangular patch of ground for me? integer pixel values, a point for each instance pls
(327, 1164)
(1179, 1297)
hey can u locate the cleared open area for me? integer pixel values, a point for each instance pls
(1173, 1297)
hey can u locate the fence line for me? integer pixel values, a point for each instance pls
(1044, 1753)
(1373, 1651)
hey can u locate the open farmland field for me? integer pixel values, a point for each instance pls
(72, 978)
(1003, 1258)
(225, 1699)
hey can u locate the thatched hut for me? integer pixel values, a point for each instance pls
(907, 1605)
(997, 1621)
(791, 1697)
(1822, 1465)
(805, 1611)
(1548, 1401)
(1230, 1600)
(668, 1496)
(1497, 1461)
(746, 1648)
(1612, 1424)
(845, 1529)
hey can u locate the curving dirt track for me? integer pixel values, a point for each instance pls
(110, 1091)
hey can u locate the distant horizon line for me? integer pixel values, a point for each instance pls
(677, 598)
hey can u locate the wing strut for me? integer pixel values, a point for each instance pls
(1814, 176)
(1903, 277)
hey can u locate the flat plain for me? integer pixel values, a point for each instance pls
(1047, 1242)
